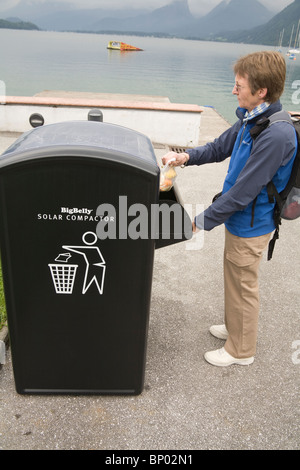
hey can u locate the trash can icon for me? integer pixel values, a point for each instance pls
(63, 277)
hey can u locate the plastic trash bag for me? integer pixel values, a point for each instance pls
(167, 176)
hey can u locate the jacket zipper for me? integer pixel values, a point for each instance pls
(254, 202)
(241, 139)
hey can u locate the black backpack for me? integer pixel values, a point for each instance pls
(287, 202)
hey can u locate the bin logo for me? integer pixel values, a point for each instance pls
(64, 274)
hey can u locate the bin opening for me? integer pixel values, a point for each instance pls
(174, 224)
(169, 195)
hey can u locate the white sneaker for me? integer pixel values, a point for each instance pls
(222, 358)
(219, 331)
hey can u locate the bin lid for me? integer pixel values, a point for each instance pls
(82, 138)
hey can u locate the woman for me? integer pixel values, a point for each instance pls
(244, 205)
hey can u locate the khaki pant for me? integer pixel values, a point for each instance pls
(241, 262)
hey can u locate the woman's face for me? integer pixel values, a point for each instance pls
(244, 95)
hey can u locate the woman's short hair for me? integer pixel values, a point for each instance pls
(265, 69)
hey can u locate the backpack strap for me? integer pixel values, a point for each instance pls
(260, 125)
(272, 243)
(274, 194)
(264, 122)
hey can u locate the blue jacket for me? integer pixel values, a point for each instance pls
(251, 167)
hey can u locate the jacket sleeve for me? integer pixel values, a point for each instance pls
(215, 151)
(272, 149)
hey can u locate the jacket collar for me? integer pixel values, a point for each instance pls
(273, 108)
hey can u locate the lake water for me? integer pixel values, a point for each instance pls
(195, 72)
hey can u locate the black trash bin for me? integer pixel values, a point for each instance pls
(77, 305)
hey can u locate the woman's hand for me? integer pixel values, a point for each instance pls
(195, 228)
(179, 158)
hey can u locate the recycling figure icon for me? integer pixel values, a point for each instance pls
(64, 274)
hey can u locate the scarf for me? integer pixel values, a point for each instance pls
(256, 111)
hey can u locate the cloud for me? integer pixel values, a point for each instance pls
(276, 5)
(197, 7)
(6, 4)
(118, 4)
(202, 7)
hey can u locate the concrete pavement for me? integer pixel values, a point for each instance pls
(186, 404)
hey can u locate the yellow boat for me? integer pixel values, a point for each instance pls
(121, 46)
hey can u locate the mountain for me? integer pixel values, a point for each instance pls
(174, 18)
(6, 24)
(269, 33)
(28, 10)
(170, 19)
(79, 20)
(232, 16)
(177, 19)
(59, 15)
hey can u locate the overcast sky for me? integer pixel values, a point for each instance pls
(199, 7)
